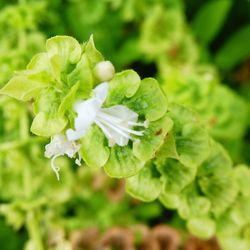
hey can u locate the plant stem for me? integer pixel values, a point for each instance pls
(33, 230)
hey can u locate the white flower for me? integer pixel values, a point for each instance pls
(58, 146)
(116, 122)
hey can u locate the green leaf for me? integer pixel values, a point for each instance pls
(235, 50)
(168, 149)
(82, 74)
(218, 162)
(235, 221)
(93, 55)
(63, 51)
(93, 149)
(47, 125)
(240, 212)
(48, 122)
(228, 119)
(192, 204)
(145, 185)
(242, 175)
(160, 30)
(192, 141)
(152, 139)
(124, 84)
(149, 101)
(68, 100)
(66, 47)
(169, 200)
(210, 18)
(221, 191)
(23, 88)
(122, 163)
(175, 175)
(202, 227)
(40, 62)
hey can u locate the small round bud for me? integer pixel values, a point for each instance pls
(104, 71)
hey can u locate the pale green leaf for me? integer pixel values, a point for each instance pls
(66, 47)
(82, 74)
(218, 162)
(68, 100)
(168, 149)
(93, 55)
(93, 150)
(192, 141)
(123, 85)
(152, 138)
(23, 88)
(169, 200)
(45, 125)
(149, 100)
(242, 175)
(122, 163)
(175, 175)
(146, 185)
(192, 204)
(202, 227)
(221, 191)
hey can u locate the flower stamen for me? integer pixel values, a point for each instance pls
(116, 122)
(117, 129)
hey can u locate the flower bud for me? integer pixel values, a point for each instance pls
(104, 71)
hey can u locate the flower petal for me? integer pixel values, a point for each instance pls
(122, 112)
(73, 135)
(86, 111)
(60, 145)
(101, 92)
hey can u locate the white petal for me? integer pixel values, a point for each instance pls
(74, 135)
(122, 112)
(55, 146)
(60, 145)
(101, 92)
(86, 111)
